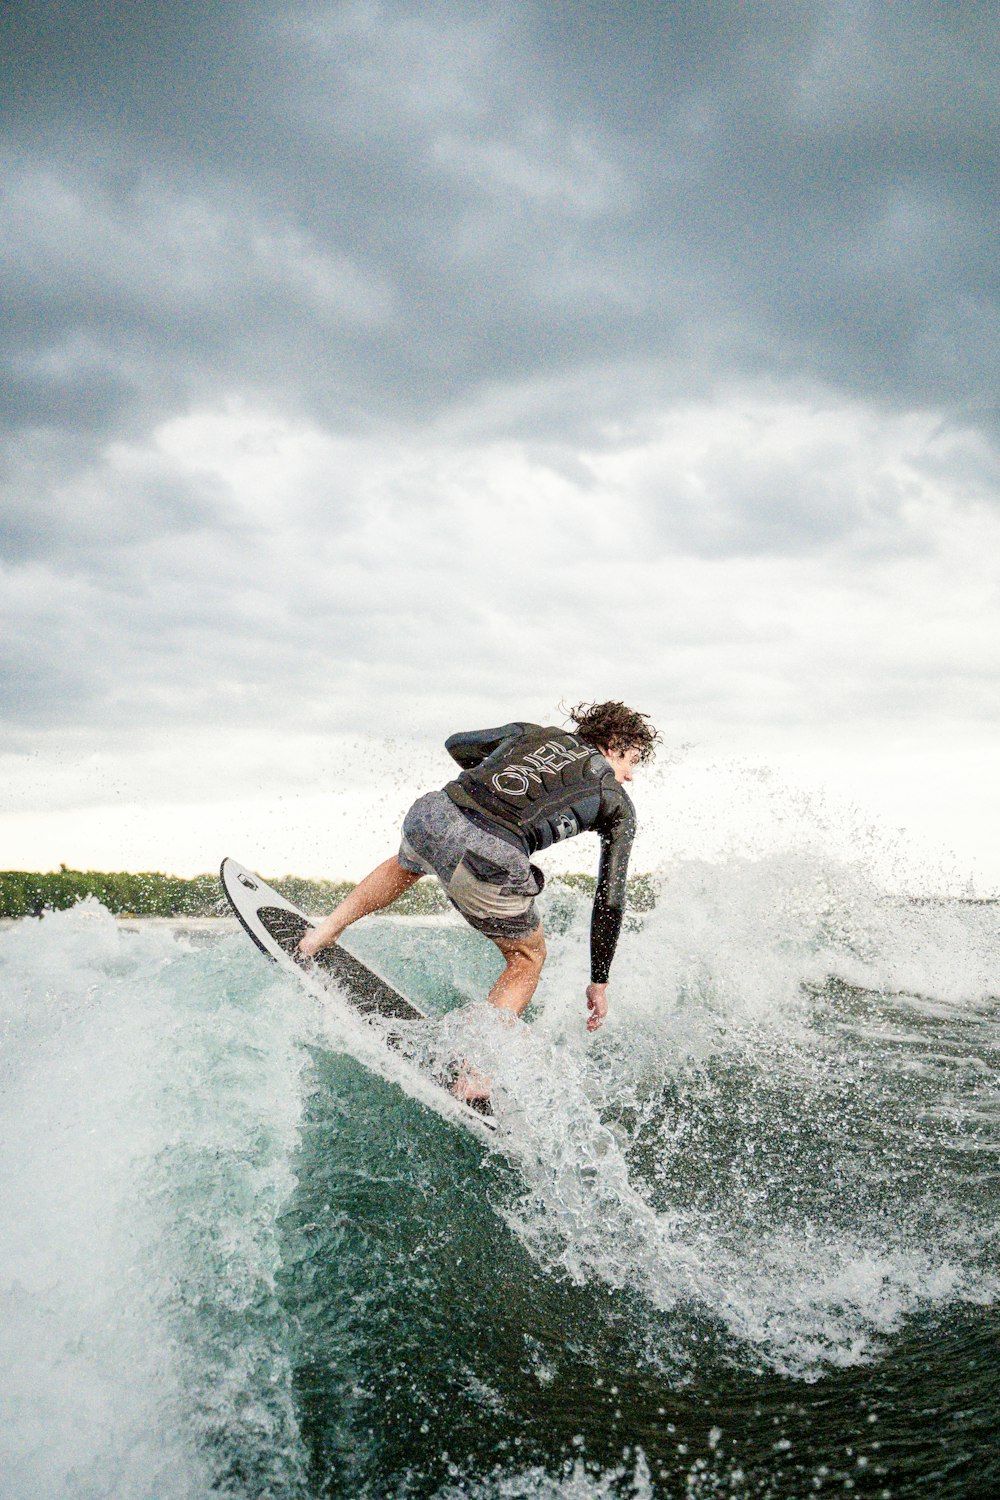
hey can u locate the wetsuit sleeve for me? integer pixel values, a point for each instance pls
(617, 832)
(473, 745)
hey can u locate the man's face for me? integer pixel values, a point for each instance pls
(623, 762)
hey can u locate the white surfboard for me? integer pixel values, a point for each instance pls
(276, 925)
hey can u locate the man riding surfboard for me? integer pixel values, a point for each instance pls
(521, 787)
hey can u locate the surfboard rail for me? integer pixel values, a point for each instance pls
(276, 926)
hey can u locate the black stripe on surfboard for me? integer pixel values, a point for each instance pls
(271, 926)
(369, 994)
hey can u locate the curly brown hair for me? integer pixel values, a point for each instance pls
(612, 726)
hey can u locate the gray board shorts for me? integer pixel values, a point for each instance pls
(488, 879)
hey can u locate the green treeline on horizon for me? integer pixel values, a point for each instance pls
(25, 893)
(149, 893)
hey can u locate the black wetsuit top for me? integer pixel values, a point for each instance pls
(542, 785)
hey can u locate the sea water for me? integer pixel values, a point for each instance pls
(741, 1242)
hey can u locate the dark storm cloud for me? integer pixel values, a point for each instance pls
(800, 189)
(547, 224)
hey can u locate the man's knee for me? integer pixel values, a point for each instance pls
(529, 950)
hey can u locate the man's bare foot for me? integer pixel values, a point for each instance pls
(313, 942)
(471, 1085)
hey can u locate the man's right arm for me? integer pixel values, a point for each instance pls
(472, 746)
(609, 901)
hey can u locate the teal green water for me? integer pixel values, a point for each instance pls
(741, 1243)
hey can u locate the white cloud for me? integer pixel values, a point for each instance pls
(408, 588)
(291, 556)
(378, 369)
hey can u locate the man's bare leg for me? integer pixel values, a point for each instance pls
(511, 993)
(519, 980)
(381, 888)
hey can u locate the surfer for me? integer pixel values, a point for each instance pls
(521, 788)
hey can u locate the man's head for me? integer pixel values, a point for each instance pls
(622, 762)
(623, 735)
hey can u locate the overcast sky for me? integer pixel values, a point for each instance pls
(372, 371)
